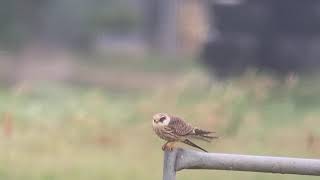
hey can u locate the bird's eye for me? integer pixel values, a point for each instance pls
(162, 119)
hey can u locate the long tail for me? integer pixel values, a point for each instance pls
(203, 135)
(193, 145)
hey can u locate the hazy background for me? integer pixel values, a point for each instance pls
(80, 81)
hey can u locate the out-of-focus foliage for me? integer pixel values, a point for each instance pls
(87, 115)
(267, 34)
(64, 21)
(115, 17)
(68, 132)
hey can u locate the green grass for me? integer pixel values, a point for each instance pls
(65, 132)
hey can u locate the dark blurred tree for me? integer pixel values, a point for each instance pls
(276, 36)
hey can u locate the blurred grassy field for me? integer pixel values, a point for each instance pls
(56, 131)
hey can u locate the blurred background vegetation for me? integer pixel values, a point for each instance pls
(80, 81)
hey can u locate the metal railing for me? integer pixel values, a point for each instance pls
(180, 159)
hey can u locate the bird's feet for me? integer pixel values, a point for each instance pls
(167, 146)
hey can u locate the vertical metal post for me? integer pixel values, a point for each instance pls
(169, 172)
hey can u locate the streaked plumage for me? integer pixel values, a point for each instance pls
(174, 129)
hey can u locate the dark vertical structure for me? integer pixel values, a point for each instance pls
(161, 25)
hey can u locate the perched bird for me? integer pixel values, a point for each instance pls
(174, 129)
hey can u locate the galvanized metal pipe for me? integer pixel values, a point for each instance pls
(188, 159)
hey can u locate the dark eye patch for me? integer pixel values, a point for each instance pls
(162, 119)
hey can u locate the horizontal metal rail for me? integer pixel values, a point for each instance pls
(180, 159)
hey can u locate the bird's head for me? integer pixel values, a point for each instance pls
(160, 119)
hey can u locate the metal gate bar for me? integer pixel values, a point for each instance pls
(180, 159)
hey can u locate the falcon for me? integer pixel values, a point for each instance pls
(174, 129)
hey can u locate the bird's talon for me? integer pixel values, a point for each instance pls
(167, 147)
(164, 147)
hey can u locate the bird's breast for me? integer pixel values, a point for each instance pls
(165, 133)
